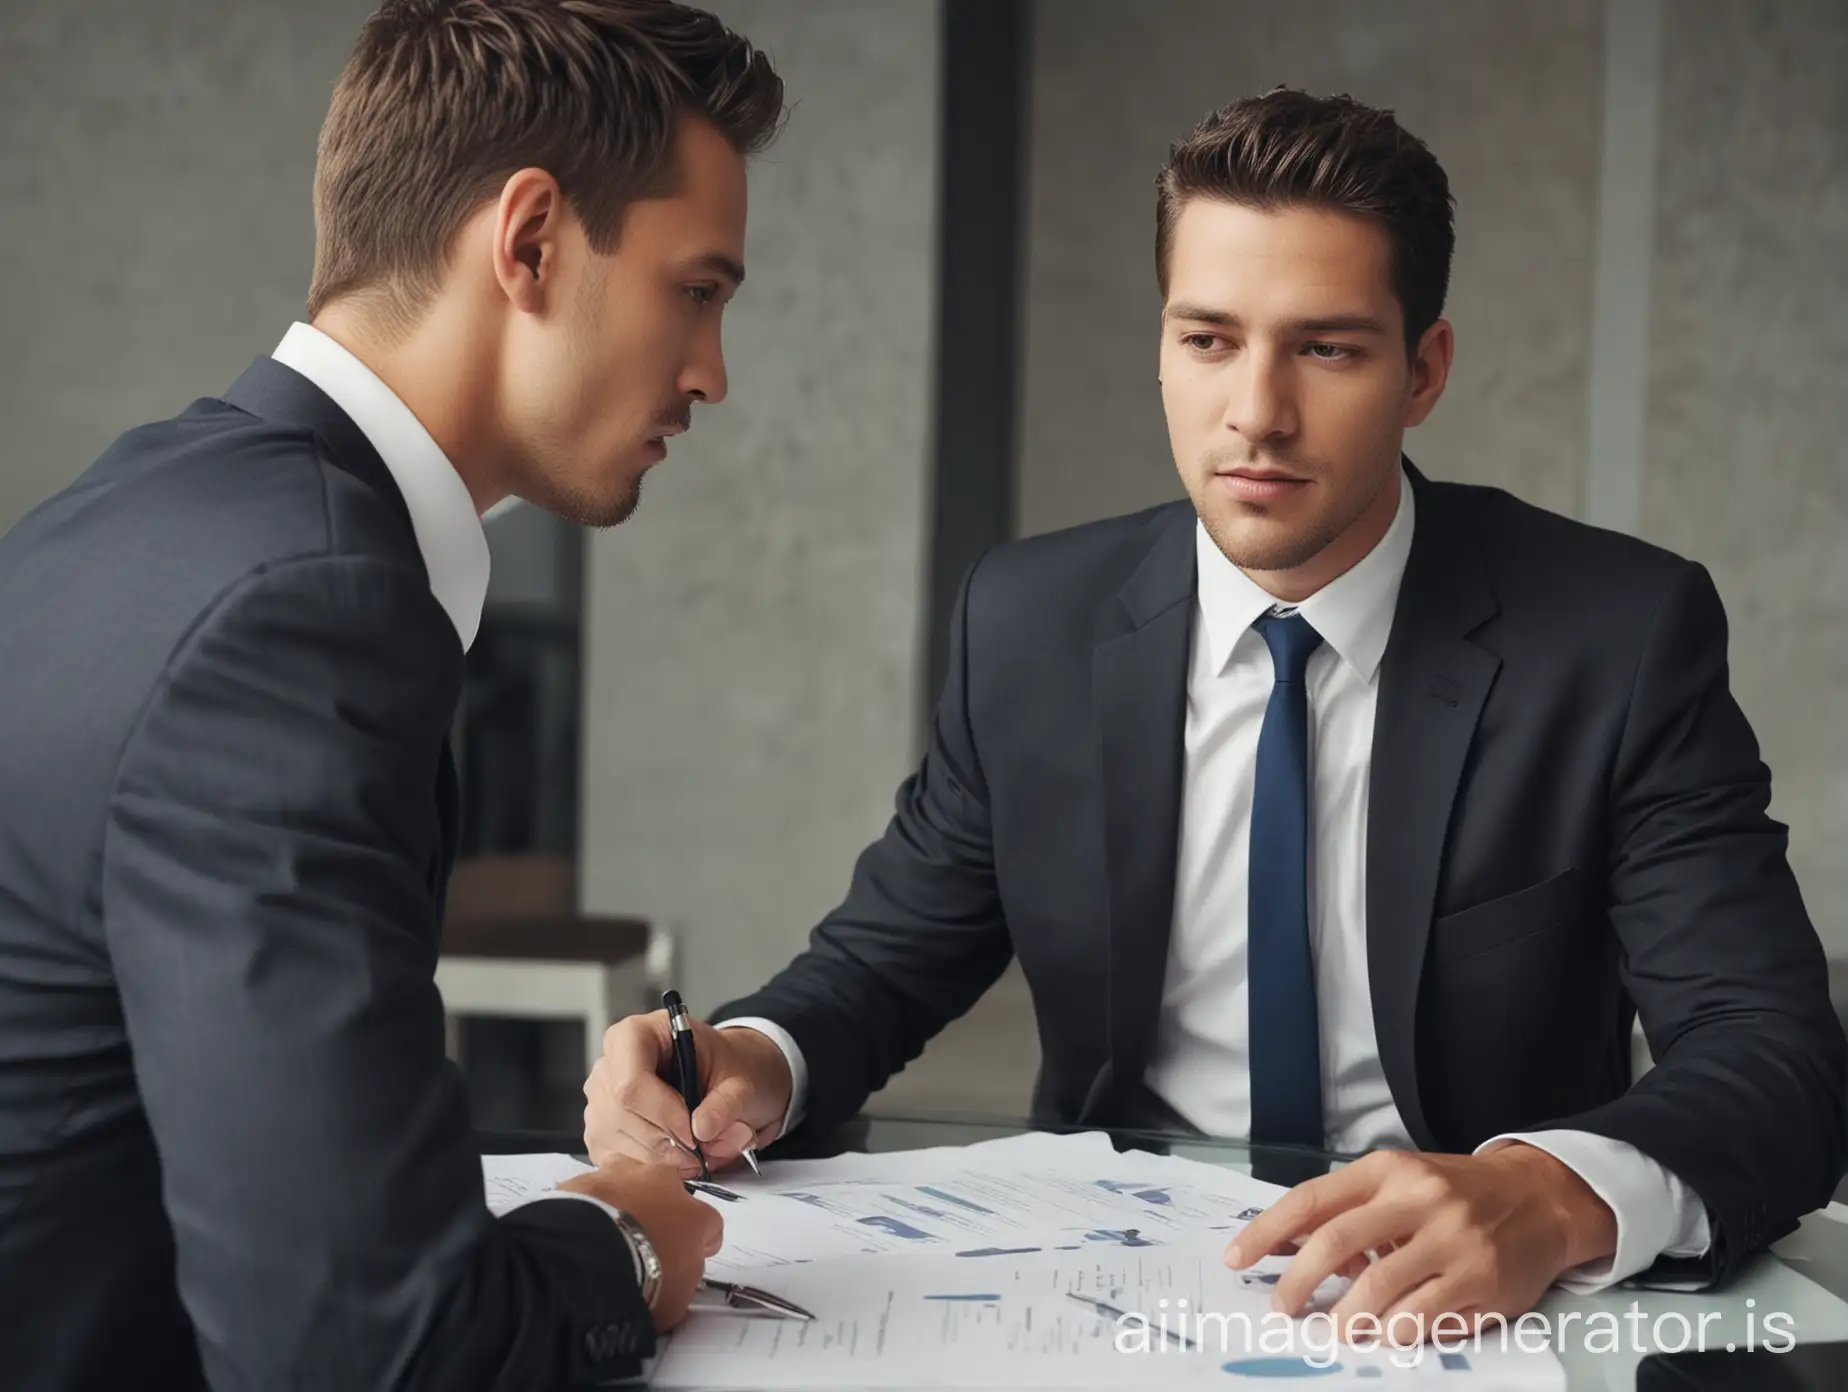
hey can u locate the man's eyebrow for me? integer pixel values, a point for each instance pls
(1314, 324)
(1337, 323)
(1200, 314)
(726, 266)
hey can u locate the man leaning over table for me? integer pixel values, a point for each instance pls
(232, 1153)
(1335, 806)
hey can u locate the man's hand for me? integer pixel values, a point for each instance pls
(1463, 1234)
(682, 1230)
(632, 1110)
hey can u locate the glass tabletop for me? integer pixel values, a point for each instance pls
(876, 1132)
(916, 1130)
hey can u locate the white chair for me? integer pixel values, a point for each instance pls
(514, 945)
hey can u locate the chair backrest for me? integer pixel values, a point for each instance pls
(526, 906)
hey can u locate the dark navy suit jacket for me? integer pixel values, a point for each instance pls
(231, 1150)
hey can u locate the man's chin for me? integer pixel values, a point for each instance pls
(624, 507)
(587, 511)
(621, 510)
(1265, 543)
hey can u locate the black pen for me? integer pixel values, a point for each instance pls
(686, 1064)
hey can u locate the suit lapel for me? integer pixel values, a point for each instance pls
(1433, 684)
(1139, 695)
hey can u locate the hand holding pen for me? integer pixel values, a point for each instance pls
(686, 1069)
(637, 1107)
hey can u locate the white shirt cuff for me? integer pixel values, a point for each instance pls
(792, 1055)
(1657, 1215)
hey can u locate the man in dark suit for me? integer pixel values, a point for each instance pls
(231, 1151)
(1337, 807)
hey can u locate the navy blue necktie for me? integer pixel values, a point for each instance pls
(1286, 1059)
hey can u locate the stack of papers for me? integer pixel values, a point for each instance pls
(957, 1267)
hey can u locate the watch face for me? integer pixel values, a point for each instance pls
(647, 1263)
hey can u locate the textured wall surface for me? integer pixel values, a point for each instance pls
(1747, 448)
(752, 636)
(1506, 95)
(156, 161)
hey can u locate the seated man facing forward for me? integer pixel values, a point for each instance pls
(1336, 806)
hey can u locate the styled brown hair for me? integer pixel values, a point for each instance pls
(443, 100)
(1287, 148)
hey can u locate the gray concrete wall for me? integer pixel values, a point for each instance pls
(156, 162)
(752, 636)
(155, 182)
(1746, 464)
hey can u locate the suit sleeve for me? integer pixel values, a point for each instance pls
(1745, 1104)
(921, 934)
(266, 895)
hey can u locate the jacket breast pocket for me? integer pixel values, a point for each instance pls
(1526, 913)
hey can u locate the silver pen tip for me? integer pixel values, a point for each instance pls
(750, 1158)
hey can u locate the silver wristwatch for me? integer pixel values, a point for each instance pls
(647, 1261)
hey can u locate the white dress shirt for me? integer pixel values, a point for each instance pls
(1201, 1066)
(443, 516)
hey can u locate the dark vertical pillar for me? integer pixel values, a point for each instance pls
(982, 153)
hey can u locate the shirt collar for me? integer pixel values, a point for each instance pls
(1353, 612)
(443, 516)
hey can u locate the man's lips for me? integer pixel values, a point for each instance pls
(1259, 485)
(657, 444)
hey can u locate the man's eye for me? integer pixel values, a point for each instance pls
(1199, 342)
(1329, 352)
(701, 294)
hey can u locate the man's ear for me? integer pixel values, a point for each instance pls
(1430, 371)
(529, 221)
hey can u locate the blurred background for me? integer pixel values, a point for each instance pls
(678, 734)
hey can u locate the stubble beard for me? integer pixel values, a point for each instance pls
(583, 510)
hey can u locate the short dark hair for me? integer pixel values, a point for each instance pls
(443, 100)
(1288, 148)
